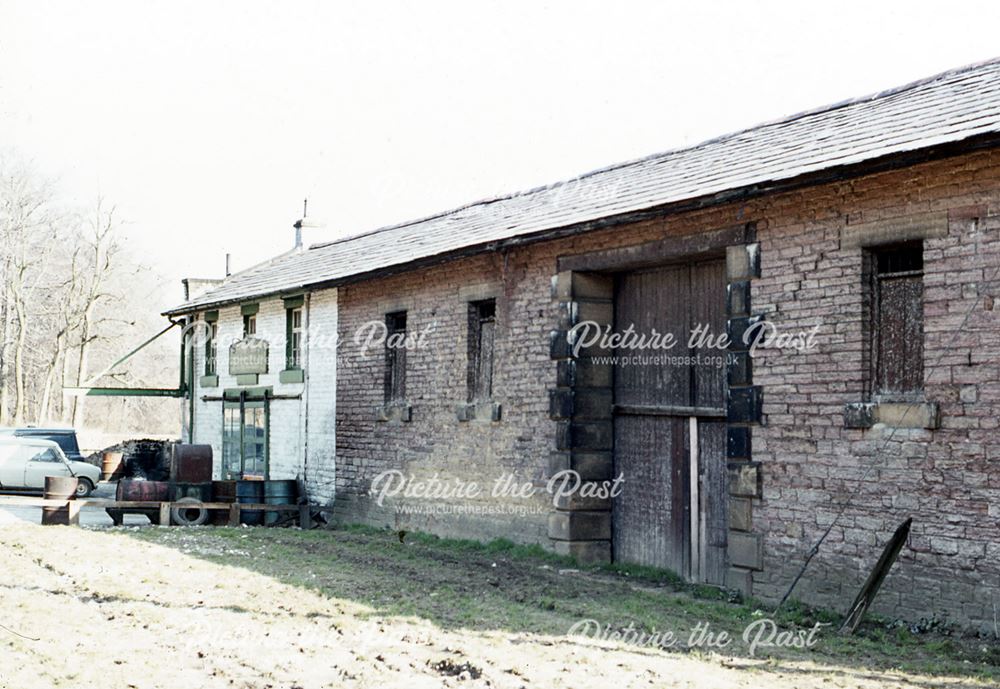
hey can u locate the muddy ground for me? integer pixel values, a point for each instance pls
(282, 608)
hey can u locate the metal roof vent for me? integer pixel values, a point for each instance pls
(304, 222)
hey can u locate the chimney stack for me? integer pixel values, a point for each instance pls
(298, 234)
(301, 223)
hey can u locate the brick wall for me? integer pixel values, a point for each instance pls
(946, 479)
(435, 441)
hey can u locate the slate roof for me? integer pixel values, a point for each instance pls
(946, 108)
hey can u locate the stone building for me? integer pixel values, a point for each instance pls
(839, 271)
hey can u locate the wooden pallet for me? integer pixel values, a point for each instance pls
(234, 508)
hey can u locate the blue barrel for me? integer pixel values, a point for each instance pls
(279, 493)
(250, 492)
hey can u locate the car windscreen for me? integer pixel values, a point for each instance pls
(66, 441)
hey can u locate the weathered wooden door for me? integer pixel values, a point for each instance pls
(670, 421)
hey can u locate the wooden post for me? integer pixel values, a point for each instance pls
(164, 514)
(695, 500)
(234, 514)
(875, 579)
(305, 517)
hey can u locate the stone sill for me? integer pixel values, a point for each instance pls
(479, 411)
(292, 375)
(394, 411)
(893, 414)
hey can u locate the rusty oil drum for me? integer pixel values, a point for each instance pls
(191, 463)
(112, 466)
(222, 491)
(142, 491)
(59, 488)
(139, 491)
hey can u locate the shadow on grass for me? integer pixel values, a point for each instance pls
(502, 586)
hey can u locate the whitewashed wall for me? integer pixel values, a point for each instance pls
(302, 434)
(321, 378)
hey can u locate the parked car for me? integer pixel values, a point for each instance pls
(64, 437)
(25, 462)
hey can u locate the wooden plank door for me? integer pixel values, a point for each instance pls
(670, 423)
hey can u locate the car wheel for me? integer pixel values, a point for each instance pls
(83, 487)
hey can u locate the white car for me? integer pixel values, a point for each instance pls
(25, 462)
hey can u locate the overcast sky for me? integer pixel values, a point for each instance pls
(208, 122)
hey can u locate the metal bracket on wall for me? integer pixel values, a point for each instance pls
(90, 390)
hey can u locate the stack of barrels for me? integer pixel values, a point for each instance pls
(190, 472)
(254, 492)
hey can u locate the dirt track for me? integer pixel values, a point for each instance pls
(283, 609)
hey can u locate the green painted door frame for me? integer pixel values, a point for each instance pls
(246, 437)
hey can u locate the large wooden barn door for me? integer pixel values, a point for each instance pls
(670, 423)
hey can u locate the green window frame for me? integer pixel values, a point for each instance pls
(293, 338)
(211, 347)
(249, 313)
(295, 329)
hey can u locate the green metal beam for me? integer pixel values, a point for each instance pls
(125, 392)
(132, 352)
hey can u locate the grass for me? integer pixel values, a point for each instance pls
(216, 608)
(500, 585)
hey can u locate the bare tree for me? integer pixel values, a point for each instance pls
(71, 299)
(94, 289)
(61, 324)
(27, 234)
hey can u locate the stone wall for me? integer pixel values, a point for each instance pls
(435, 440)
(802, 460)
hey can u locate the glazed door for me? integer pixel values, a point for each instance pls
(244, 439)
(669, 421)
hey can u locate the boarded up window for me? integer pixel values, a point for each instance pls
(482, 333)
(896, 366)
(395, 357)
